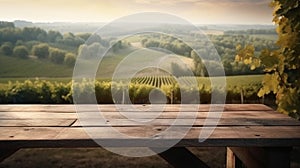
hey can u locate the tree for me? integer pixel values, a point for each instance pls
(85, 36)
(70, 59)
(53, 36)
(41, 50)
(199, 68)
(34, 33)
(9, 34)
(93, 38)
(6, 49)
(21, 51)
(19, 43)
(71, 40)
(178, 71)
(227, 67)
(90, 51)
(57, 55)
(282, 66)
(6, 24)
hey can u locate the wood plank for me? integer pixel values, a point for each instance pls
(37, 123)
(111, 108)
(150, 115)
(186, 122)
(247, 107)
(240, 133)
(36, 108)
(145, 115)
(143, 136)
(30, 133)
(36, 115)
(230, 158)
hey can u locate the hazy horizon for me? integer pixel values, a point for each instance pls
(91, 11)
(102, 22)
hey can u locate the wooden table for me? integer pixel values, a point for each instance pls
(254, 133)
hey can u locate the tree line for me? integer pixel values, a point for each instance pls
(252, 31)
(49, 45)
(224, 47)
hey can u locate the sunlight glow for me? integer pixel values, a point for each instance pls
(197, 11)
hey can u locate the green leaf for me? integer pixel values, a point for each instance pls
(268, 60)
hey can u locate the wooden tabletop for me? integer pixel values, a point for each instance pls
(58, 126)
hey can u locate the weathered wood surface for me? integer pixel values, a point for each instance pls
(165, 115)
(172, 108)
(58, 126)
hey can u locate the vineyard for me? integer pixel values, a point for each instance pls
(156, 81)
(238, 82)
(239, 89)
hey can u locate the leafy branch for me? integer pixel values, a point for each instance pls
(282, 66)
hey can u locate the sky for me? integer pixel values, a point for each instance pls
(195, 11)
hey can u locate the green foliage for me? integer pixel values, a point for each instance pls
(22, 36)
(282, 65)
(103, 92)
(199, 68)
(70, 59)
(6, 49)
(224, 44)
(251, 31)
(19, 42)
(69, 42)
(6, 24)
(34, 33)
(10, 35)
(178, 70)
(84, 36)
(172, 44)
(21, 51)
(53, 36)
(38, 91)
(41, 91)
(246, 55)
(41, 50)
(57, 55)
(70, 39)
(237, 86)
(90, 51)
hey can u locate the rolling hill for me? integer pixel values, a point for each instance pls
(13, 67)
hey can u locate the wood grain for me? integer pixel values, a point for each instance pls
(144, 136)
(57, 126)
(37, 123)
(112, 108)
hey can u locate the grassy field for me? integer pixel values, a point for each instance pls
(31, 67)
(12, 67)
